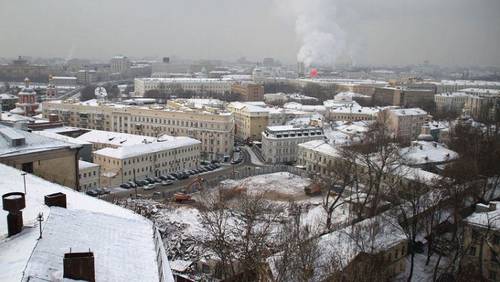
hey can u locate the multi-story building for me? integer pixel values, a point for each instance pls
(279, 143)
(482, 104)
(450, 102)
(108, 139)
(456, 85)
(51, 159)
(170, 85)
(249, 120)
(317, 157)
(353, 113)
(249, 91)
(404, 123)
(119, 165)
(482, 239)
(120, 64)
(214, 130)
(63, 81)
(21, 68)
(86, 76)
(404, 97)
(89, 174)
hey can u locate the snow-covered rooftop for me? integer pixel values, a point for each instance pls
(423, 152)
(408, 112)
(488, 219)
(33, 142)
(321, 147)
(111, 232)
(84, 165)
(114, 138)
(142, 149)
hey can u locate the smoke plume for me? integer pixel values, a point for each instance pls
(322, 39)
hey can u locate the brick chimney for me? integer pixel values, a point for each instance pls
(13, 203)
(79, 266)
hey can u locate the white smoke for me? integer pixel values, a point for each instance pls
(322, 39)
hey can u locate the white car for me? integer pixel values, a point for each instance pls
(150, 187)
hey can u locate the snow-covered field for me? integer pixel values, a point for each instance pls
(277, 186)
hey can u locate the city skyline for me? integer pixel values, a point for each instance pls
(388, 33)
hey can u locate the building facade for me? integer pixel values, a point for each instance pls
(119, 165)
(404, 123)
(279, 143)
(89, 174)
(170, 85)
(317, 157)
(249, 91)
(249, 121)
(214, 130)
(450, 102)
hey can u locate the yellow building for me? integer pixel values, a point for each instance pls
(214, 130)
(249, 120)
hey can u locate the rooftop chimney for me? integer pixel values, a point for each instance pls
(13, 203)
(56, 200)
(79, 266)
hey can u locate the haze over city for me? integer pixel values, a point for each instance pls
(250, 141)
(391, 32)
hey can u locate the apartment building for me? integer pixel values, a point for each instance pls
(169, 85)
(89, 175)
(482, 104)
(404, 123)
(404, 97)
(249, 120)
(482, 239)
(249, 91)
(119, 165)
(455, 85)
(353, 113)
(279, 143)
(214, 130)
(450, 102)
(317, 157)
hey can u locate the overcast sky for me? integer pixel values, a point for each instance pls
(388, 32)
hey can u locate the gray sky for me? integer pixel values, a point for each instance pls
(447, 32)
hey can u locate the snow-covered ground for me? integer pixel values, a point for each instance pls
(279, 185)
(421, 272)
(253, 158)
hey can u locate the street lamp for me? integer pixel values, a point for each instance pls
(24, 181)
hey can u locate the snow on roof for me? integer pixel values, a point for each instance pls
(249, 107)
(114, 138)
(123, 248)
(305, 108)
(356, 110)
(16, 251)
(84, 164)
(479, 91)
(61, 137)
(33, 143)
(488, 219)
(62, 129)
(468, 82)
(321, 147)
(408, 112)
(184, 80)
(422, 152)
(125, 152)
(453, 94)
(5, 96)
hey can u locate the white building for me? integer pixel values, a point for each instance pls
(63, 80)
(89, 174)
(196, 85)
(455, 85)
(279, 143)
(122, 164)
(119, 64)
(317, 157)
(404, 123)
(450, 102)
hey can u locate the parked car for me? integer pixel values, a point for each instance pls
(101, 191)
(171, 177)
(157, 179)
(150, 187)
(163, 177)
(92, 193)
(149, 179)
(125, 186)
(132, 184)
(142, 182)
(167, 182)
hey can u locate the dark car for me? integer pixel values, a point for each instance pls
(92, 193)
(142, 182)
(157, 179)
(183, 176)
(150, 180)
(163, 177)
(171, 177)
(125, 186)
(101, 191)
(132, 184)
